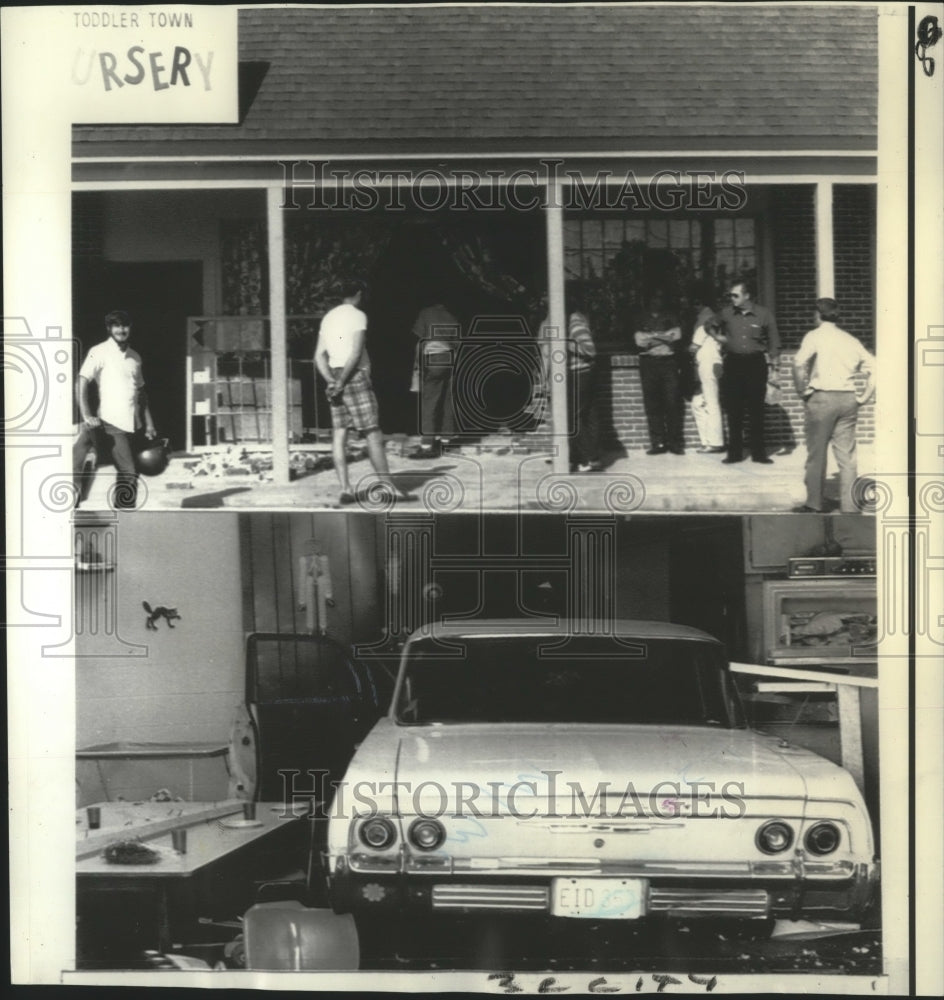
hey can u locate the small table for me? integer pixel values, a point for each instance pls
(128, 908)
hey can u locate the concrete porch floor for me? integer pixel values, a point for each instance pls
(497, 475)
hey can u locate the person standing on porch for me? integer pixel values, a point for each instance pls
(657, 334)
(582, 382)
(437, 332)
(824, 370)
(115, 368)
(706, 403)
(751, 344)
(341, 358)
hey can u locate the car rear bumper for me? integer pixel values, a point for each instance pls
(800, 896)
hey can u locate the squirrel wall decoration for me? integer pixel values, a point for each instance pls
(154, 615)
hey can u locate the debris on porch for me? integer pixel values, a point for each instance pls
(502, 442)
(238, 461)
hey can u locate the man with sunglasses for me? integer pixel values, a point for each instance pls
(751, 344)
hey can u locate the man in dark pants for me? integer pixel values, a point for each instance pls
(656, 335)
(582, 390)
(116, 370)
(750, 339)
(437, 332)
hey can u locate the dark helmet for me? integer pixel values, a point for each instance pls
(153, 457)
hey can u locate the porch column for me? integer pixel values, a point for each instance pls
(825, 267)
(278, 336)
(554, 214)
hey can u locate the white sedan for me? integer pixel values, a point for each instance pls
(602, 773)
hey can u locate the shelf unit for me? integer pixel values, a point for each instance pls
(229, 384)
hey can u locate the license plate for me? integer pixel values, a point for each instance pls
(598, 898)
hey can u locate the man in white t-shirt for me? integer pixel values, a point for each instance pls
(824, 370)
(341, 358)
(122, 409)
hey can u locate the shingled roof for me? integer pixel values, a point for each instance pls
(538, 78)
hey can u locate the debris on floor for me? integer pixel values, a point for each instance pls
(238, 461)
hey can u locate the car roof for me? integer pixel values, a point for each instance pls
(630, 628)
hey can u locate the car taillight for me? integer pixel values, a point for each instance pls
(822, 838)
(377, 833)
(426, 834)
(774, 837)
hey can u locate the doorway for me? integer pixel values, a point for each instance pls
(706, 567)
(159, 296)
(488, 272)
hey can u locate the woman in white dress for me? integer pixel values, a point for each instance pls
(706, 404)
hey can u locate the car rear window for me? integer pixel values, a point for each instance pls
(583, 679)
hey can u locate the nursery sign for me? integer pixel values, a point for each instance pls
(153, 64)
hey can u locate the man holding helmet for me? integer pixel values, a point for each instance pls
(115, 368)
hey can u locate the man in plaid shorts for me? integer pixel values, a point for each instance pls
(341, 357)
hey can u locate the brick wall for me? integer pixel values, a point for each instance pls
(853, 231)
(793, 242)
